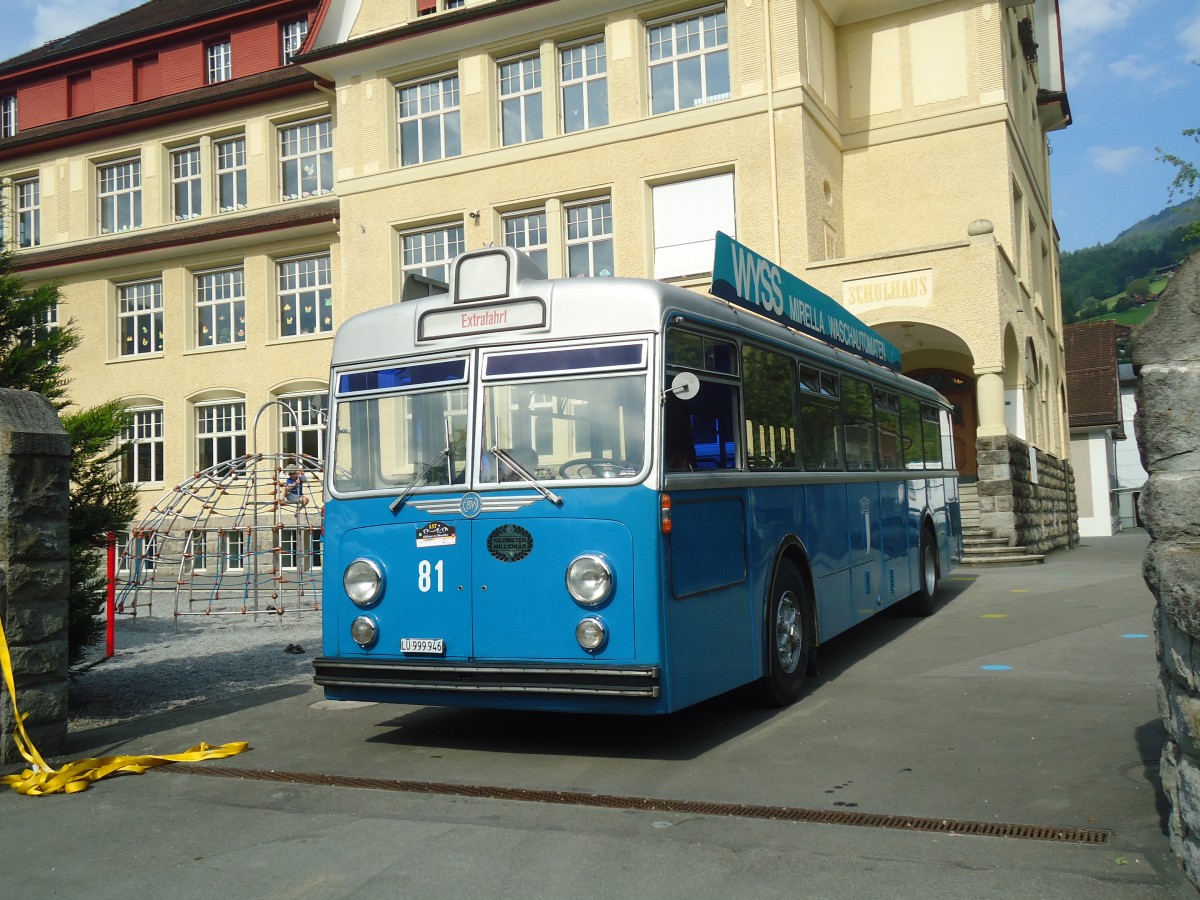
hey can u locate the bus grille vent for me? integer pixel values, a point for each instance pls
(867, 581)
(892, 580)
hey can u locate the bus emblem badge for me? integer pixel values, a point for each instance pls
(470, 505)
(510, 543)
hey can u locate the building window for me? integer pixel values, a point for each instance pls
(220, 432)
(429, 7)
(47, 325)
(689, 61)
(306, 159)
(305, 295)
(233, 550)
(140, 317)
(589, 238)
(221, 307)
(686, 216)
(29, 212)
(526, 231)
(120, 196)
(429, 252)
(231, 174)
(8, 116)
(521, 99)
(304, 421)
(316, 537)
(289, 548)
(220, 61)
(429, 120)
(292, 36)
(199, 550)
(584, 86)
(185, 183)
(143, 461)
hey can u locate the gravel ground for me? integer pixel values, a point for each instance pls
(164, 663)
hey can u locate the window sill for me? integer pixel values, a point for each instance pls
(200, 351)
(137, 357)
(302, 338)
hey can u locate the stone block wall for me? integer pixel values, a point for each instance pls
(1166, 351)
(1042, 516)
(35, 457)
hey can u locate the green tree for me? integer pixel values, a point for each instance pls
(31, 353)
(1187, 176)
(1139, 287)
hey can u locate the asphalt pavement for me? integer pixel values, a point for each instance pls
(1007, 746)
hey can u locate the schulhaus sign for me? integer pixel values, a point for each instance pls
(751, 281)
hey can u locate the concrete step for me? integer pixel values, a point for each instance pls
(982, 561)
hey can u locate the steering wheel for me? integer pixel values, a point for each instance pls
(591, 467)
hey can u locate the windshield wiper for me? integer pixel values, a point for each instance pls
(526, 474)
(412, 485)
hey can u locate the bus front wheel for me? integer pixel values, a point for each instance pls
(788, 637)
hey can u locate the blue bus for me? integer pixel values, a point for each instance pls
(612, 495)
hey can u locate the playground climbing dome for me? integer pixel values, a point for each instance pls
(240, 538)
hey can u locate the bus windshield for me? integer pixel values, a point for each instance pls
(386, 442)
(565, 428)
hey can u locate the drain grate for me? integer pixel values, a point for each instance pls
(656, 804)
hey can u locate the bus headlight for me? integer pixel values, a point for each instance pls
(591, 633)
(364, 630)
(589, 579)
(363, 582)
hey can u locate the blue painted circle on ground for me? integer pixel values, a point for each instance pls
(995, 668)
(1135, 635)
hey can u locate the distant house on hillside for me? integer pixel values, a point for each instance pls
(1097, 424)
(1167, 271)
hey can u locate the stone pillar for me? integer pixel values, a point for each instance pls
(1167, 350)
(989, 401)
(35, 459)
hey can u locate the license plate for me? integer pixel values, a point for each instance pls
(423, 645)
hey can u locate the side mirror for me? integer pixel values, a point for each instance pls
(685, 386)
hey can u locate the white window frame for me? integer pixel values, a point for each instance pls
(187, 191)
(140, 318)
(587, 70)
(201, 557)
(8, 116)
(429, 251)
(291, 38)
(520, 79)
(427, 107)
(218, 60)
(588, 231)
(705, 32)
(306, 152)
(437, 6)
(220, 293)
(312, 409)
(216, 421)
(304, 295)
(145, 430)
(27, 205)
(526, 231)
(119, 195)
(687, 215)
(232, 545)
(229, 168)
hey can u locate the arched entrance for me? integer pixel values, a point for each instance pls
(959, 389)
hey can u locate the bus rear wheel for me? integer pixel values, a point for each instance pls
(922, 603)
(788, 638)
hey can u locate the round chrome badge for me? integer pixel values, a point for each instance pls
(470, 505)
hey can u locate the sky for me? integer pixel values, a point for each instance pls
(1132, 80)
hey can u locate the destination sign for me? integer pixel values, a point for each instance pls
(755, 283)
(482, 318)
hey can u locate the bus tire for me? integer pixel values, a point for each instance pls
(922, 603)
(788, 638)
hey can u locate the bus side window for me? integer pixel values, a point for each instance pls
(705, 435)
(859, 424)
(679, 452)
(820, 421)
(910, 433)
(770, 386)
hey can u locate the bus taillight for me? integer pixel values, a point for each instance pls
(664, 512)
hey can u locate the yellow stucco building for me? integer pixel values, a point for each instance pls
(892, 153)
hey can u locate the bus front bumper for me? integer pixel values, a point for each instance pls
(492, 678)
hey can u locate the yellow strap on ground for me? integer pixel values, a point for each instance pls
(75, 776)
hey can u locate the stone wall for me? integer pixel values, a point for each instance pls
(1167, 350)
(35, 457)
(1042, 516)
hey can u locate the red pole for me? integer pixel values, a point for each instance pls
(111, 635)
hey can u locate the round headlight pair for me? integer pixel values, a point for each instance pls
(589, 579)
(363, 581)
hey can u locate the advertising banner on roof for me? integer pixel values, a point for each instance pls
(753, 282)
